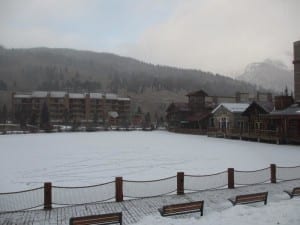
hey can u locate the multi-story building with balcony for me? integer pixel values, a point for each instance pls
(69, 107)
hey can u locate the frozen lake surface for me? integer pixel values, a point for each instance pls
(80, 159)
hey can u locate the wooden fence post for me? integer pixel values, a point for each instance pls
(230, 178)
(119, 189)
(273, 173)
(47, 196)
(180, 183)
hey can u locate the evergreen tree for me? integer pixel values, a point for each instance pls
(4, 114)
(45, 119)
(33, 118)
(148, 119)
(139, 110)
(95, 117)
(66, 116)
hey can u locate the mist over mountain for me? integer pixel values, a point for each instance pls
(270, 74)
(151, 86)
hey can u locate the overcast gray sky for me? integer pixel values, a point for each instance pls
(221, 36)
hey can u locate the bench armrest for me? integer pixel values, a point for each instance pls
(160, 210)
(289, 193)
(232, 200)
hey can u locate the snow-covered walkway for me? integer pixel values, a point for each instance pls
(217, 209)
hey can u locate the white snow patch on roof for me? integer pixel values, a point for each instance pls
(233, 107)
(57, 94)
(111, 96)
(124, 99)
(39, 94)
(76, 95)
(96, 95)
(22, 96)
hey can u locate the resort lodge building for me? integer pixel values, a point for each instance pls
(64, 107)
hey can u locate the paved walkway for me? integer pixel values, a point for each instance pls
(135, 210)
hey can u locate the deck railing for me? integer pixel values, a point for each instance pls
(50, 196)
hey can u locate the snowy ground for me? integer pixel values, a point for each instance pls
(284, 213)
(79, 159)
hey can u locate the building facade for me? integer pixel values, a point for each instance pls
(67, 107)
(228, 116)
(297, 70)
(196, 112)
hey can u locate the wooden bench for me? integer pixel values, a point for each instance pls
(112, 218)
(294, 192)
(250, 198)
(183, 208)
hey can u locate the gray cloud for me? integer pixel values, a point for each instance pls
(221, 35)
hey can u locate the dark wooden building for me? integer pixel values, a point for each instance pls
(191, 115)
(254, 112)
(285, 123)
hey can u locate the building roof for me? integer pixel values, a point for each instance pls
(290, 111)
(58, 94)
(22, 95)
(76, 95)
(267, 106)
(179, 106)
(197, 93)
(124, 99)
(111, 96)
(263, 108)
(96, 95)
(233, 107)
(39, 94)
(198, 116)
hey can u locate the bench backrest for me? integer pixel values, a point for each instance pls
(256, 197)
(296, 191)
(111, 218)
(176, 208)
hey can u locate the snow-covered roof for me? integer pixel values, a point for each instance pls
(22, 96)
(96, 95)
(124, 99)
(76, 95)
(233, 107)
(111, 96)
(39, 94)
(57, 94)
(292, 110)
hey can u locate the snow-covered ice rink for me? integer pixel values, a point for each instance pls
(80, 159)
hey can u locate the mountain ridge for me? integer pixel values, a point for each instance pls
(270, 74)
(151, 86)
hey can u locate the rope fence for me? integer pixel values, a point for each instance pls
(48, 196)
(153, 188)
(22, 200)
(252, 177)
(205, 182)
(82, 195)
(288, 173)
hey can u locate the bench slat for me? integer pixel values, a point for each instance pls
(182, 208)
(250, 198)
(111, 218)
